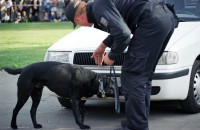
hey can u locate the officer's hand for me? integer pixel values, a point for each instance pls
(98, 54)
(107, 60)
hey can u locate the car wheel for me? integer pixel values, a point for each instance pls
(192, 103)
(66, 102)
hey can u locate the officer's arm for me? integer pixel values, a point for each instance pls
(108, 41)
(110, 18)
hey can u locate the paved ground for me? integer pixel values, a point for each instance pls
(100, 115)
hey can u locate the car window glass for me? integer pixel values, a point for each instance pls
(186, 10)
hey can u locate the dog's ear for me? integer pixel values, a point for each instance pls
(94, 82)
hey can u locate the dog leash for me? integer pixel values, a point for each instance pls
(101, 88)
(114, 84)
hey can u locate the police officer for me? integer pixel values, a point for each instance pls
(151, 24)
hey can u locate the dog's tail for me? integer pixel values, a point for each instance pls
(13, 71)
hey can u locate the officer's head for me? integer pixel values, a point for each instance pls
(76, 13)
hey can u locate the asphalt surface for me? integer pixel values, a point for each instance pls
(100, 115)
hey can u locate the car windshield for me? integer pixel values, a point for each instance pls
(186, 10)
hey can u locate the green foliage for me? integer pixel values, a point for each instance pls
(24, 43)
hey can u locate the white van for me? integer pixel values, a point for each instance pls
(177, 75)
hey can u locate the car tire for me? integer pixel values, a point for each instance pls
(192, 103)
(66, 102)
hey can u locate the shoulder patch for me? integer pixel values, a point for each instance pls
(103, 21)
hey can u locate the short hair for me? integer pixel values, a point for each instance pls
(80, 9)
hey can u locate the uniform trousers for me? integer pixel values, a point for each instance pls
(154, 29)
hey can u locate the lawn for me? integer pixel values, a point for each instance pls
(25, 43)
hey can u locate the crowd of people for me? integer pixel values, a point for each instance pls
(33, 10)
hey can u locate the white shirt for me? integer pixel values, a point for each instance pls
(7, 4)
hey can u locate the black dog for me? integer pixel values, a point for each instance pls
(66, 80)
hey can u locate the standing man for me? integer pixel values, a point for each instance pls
(151, 24)
(8, 7)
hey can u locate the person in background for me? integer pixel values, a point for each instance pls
(30, 18)
(60, 7)
(35, 12)
(0, 9)
(46, 9)
(5, 18)
(26, 9)
(53, 9)
(24, 17)
(53, 17)
(151, 23)
(19, 17)
(8, 6)
(45, 18)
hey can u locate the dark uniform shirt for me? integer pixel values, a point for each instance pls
(119, 18)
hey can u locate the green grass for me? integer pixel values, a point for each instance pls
(25, 43)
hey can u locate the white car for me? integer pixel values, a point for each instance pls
(177, 75)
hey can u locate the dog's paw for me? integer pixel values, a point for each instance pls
(85, 127)
(38, 126)
(14, 126)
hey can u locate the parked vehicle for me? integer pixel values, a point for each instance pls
(177, 75)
